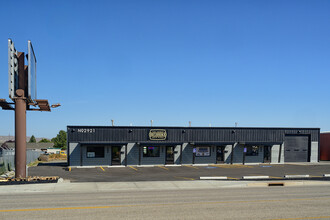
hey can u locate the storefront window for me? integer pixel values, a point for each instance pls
(95, 152)
(203, 151)
(252, 150)
(151, 151)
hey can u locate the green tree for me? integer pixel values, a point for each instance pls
(60, 140)
(32, 139)
(44, 140)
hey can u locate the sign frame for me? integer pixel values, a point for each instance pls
(32, 73)
(12, 69)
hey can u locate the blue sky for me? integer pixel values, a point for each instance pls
(257, 63)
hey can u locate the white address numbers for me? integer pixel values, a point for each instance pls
(86, 130)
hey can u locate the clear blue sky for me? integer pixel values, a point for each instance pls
(258, 63)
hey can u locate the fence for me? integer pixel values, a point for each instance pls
(7, 159)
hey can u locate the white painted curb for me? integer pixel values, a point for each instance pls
(149, 165)
(213, 177)
(296, 176)
(255, 177)
(326, 175)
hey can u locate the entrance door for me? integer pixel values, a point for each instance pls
(169, 155)
(115, 155)
(220, 154)
(267, 154)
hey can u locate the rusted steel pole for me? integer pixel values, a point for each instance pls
(20, 134)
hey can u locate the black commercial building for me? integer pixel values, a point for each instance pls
(123, 146)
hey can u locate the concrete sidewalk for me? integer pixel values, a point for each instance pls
(66, 186)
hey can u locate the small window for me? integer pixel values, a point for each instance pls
(252, 150)
(95, 152)
(203, 151)
(151, 151)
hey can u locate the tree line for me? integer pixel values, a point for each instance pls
(59, 141)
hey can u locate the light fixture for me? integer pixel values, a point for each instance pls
(55, 105)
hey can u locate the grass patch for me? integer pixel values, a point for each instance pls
(34, 163)
(57, 157)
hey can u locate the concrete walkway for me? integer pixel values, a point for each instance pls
(66, 186)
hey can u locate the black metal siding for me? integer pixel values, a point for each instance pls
(102, 134)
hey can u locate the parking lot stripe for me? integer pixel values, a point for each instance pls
(232, 178)
(102, 168)
(191, 166)
(133, 168)
(163, 167)
(185, 178)
(275, 177)
(232, 166)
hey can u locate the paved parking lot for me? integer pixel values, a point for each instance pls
(170, 173)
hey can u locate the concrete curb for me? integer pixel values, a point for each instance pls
(254, 177)
(296, 176)
(213, 178)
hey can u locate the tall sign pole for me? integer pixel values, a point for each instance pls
(20, 134)
(20, 119)
(20, 91)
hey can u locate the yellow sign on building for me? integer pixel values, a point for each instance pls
(157, 134)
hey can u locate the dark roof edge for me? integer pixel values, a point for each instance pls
(162, 127)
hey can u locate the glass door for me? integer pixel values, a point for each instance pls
(169, 155)
(267, 154)
(220, 154)
(115, 155)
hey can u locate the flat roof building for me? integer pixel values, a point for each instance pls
(117, 145)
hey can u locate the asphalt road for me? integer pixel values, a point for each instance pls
(162, 173)
(233, 203)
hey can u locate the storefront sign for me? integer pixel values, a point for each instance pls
(202, 151)
(157, 134)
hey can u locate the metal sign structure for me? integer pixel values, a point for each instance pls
(22, 91)
(12, 69)
(32, 73)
